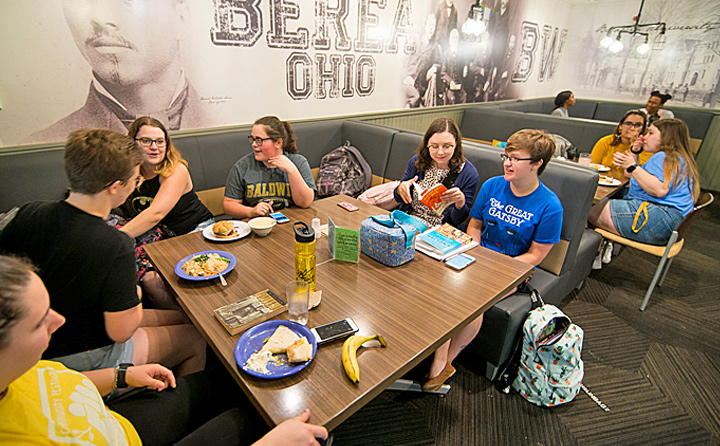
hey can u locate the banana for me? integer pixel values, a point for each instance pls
(349, 354)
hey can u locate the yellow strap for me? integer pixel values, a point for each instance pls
(643, 209)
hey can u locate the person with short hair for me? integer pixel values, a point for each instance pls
(631, 125)
(43, 402)
(272, 177)
(662, 191)
(89, 267)
(654, 107)
(439, 158)
(564, 100)
(514, 214)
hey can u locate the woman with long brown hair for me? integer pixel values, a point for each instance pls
(166, 195)
(632, 125)
(440, 158)
(662, 191)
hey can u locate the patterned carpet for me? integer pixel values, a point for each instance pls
(658, 371)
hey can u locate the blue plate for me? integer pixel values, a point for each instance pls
(252, 341)
(179, 271)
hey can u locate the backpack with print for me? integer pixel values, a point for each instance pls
(551, 371)
(343, 171)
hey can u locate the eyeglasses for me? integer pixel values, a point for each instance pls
(512, 159)
(147, 142)
(446, 147)
(629, 124)
(138, 181)
(257, 141)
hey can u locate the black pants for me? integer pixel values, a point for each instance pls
(206, 408)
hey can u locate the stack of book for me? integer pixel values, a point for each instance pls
(443, 241)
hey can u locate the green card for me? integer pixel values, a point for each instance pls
(343, 243)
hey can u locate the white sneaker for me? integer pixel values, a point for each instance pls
(607, 253)
(597, 263)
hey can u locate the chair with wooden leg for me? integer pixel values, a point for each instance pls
(665, 252)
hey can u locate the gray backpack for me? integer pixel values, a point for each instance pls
(343, 171)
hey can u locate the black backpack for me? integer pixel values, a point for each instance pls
(343, 171)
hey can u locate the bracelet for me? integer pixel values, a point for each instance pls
(638, 152)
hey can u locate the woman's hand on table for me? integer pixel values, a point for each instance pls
(263, 208)
(404, 190)
(454, 196)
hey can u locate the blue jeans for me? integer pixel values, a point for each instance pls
(661, 221)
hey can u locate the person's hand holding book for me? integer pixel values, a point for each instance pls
(404, 189)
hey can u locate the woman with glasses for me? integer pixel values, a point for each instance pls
(166, 195)
(632, 125)
(514, 214)
(440, 158)
(273, 176)
(662, 191)
(163, 203)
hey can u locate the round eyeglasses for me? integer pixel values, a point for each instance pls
(445, 147)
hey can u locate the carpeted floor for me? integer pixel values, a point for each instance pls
(658, 371)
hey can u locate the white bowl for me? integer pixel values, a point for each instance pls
(262, 226)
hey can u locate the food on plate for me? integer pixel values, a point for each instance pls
(600, 167)
(607, 179)
(224, 228)
(280, 340)
(349, 354)
(258, 361)
(205, 265)
(299, 351)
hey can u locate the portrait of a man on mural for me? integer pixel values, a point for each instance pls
(133, 51)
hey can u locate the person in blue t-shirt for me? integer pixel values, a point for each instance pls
(662, 191)
(514, 214)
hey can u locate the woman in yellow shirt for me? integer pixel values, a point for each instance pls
(632, 125)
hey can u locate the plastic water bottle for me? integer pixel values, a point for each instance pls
(305, 253)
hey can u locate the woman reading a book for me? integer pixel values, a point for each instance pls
(440, 162)
(514, 214)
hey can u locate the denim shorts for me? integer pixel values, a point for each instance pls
(100, 358)
(661, 221)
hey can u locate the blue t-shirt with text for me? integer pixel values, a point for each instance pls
(511, 223)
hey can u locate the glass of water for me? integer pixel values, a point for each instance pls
(297, 294)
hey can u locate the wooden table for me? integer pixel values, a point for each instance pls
(416, 307)
(605, 192)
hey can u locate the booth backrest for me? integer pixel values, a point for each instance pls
(31, 176)
(488, 124)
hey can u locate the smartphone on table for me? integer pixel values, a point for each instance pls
(279, 217)
(348, 206)
(334, 330)
(459, 261)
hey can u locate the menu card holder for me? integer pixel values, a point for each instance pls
(249, 311)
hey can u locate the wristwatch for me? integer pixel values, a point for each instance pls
(120, 372)
(632, 168)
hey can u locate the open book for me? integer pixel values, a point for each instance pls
(430, 197)
(443, 241)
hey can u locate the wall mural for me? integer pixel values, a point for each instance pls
(206, 63)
